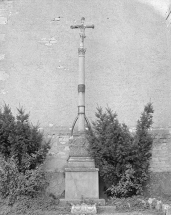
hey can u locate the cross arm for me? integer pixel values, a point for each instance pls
(89, 26)
(75, 26)
(81, 26)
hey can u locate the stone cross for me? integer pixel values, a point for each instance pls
(81, 80)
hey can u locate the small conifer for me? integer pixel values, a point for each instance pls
(123, 158)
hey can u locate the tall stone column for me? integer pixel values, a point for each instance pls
(81, 88)
(81, 176)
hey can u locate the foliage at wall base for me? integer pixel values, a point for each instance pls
(22, 151)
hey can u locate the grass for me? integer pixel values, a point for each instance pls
(49, 205)
(135, 203)
(39, 205)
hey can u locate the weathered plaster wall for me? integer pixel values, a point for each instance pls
(128, 62)
(128, 59)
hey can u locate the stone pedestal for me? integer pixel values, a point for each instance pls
(81, 176)
(81, 182)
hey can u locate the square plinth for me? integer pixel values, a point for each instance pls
(81, 182)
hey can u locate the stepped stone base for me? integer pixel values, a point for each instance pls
(81, 176)
(99, 202)
(81, 181)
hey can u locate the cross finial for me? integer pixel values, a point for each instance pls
(82, 28)
(82, 20)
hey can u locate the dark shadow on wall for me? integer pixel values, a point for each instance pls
(102, 194)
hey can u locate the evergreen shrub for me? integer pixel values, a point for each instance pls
(23, 150)
(122, 157)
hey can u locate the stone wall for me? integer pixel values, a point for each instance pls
(161, 159)
(160, 164)
(160, 180)
(57, 158)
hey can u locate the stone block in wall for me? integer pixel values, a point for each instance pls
(3, 12)
(160, 184)
(56, 162)
(161, 134)
(56, 183)
(57, 130)
(161, 151)
(58, 154)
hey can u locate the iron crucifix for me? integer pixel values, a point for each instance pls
(81, 79)
(82, 28)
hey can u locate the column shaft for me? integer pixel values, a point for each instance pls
(81, 90)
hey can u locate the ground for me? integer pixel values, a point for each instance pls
(48, 205)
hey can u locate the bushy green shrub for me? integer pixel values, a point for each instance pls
(126, 184)
(21, 140)
(14, 183)
(22, 150)
(142, 145)
(110, 142)
(122, 158)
